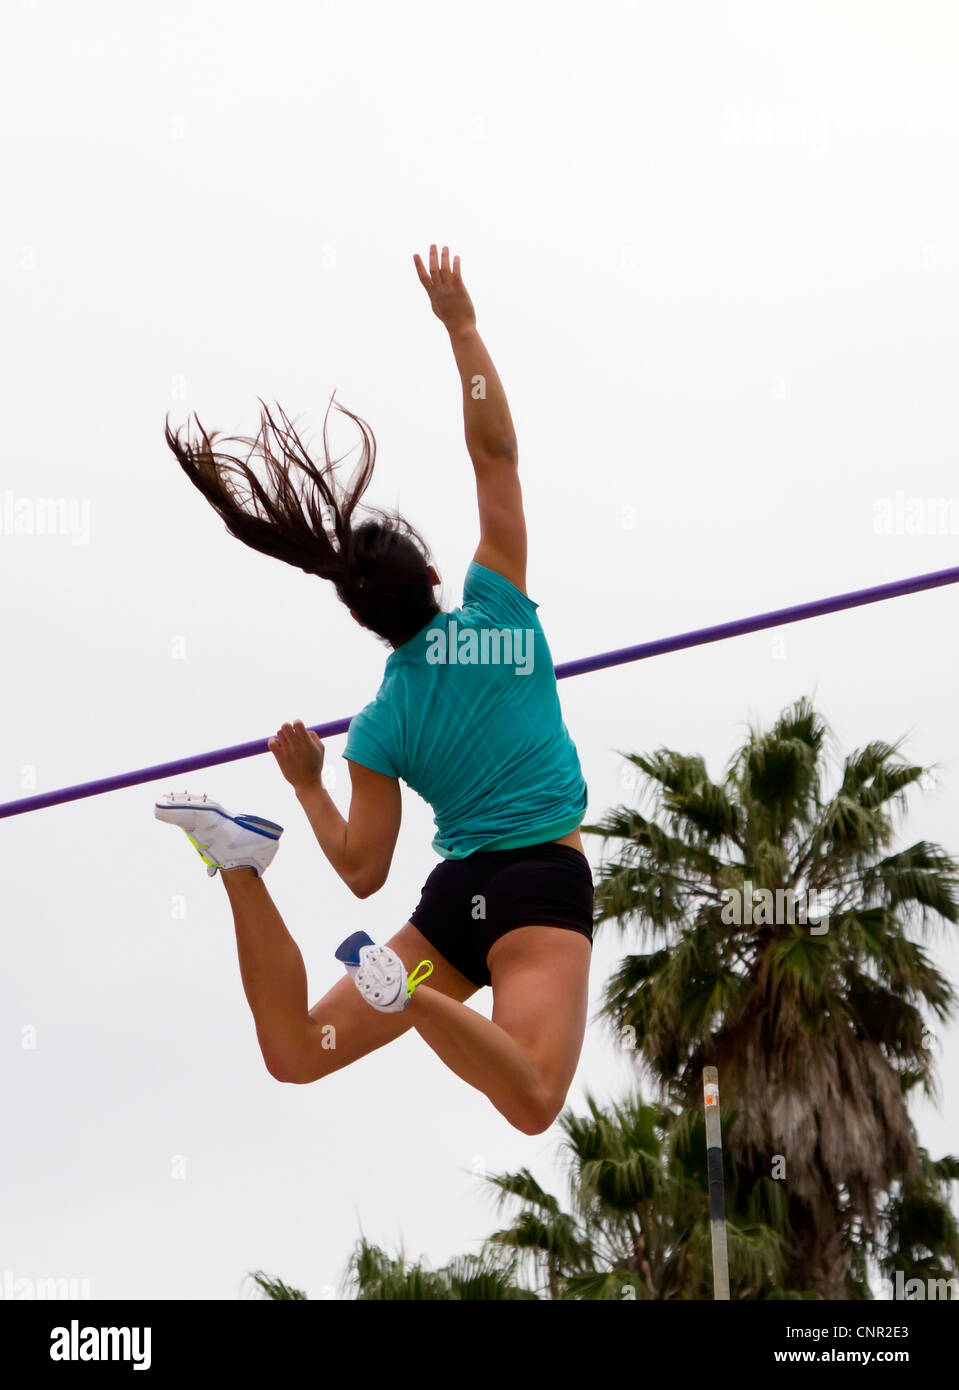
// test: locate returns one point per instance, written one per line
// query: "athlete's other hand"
(444, 285)
(299, 753)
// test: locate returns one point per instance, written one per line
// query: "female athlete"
(468, 715)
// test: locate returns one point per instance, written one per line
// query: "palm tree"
(920, 1235)
(275, 1290)
(372, 1274)
(638, 1224)
(815, 1020)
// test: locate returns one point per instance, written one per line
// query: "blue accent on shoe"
(349, 950)
(259, 825)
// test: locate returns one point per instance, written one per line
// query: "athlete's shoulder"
(371, 737)
(485, 586)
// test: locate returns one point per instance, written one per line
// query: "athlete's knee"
(534, 1119)
(291, 1065)
(536, 1112)
(285, 1069)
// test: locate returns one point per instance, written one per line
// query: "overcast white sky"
(712, 250)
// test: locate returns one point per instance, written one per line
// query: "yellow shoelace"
(416, 978)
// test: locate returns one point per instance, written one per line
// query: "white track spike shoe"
(221, 840)
(379, 974)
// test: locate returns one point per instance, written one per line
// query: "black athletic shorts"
(467, 904)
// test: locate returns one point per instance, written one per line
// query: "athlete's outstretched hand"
(444, 285)
(299, 752)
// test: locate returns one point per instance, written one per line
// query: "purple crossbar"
(778, 618)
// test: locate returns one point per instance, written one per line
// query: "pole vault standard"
(717, 1190)
(779, 617)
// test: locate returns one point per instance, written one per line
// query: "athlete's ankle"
(239, 878)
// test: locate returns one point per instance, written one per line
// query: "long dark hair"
(304, 516)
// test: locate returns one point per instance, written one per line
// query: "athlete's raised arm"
(490, 436)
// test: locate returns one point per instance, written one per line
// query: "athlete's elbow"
(493, 457)
(364, 885)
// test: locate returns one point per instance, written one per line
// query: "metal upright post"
(717, 1191)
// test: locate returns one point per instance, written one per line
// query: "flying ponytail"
(301, 514)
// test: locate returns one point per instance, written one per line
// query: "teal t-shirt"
(468, 715)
